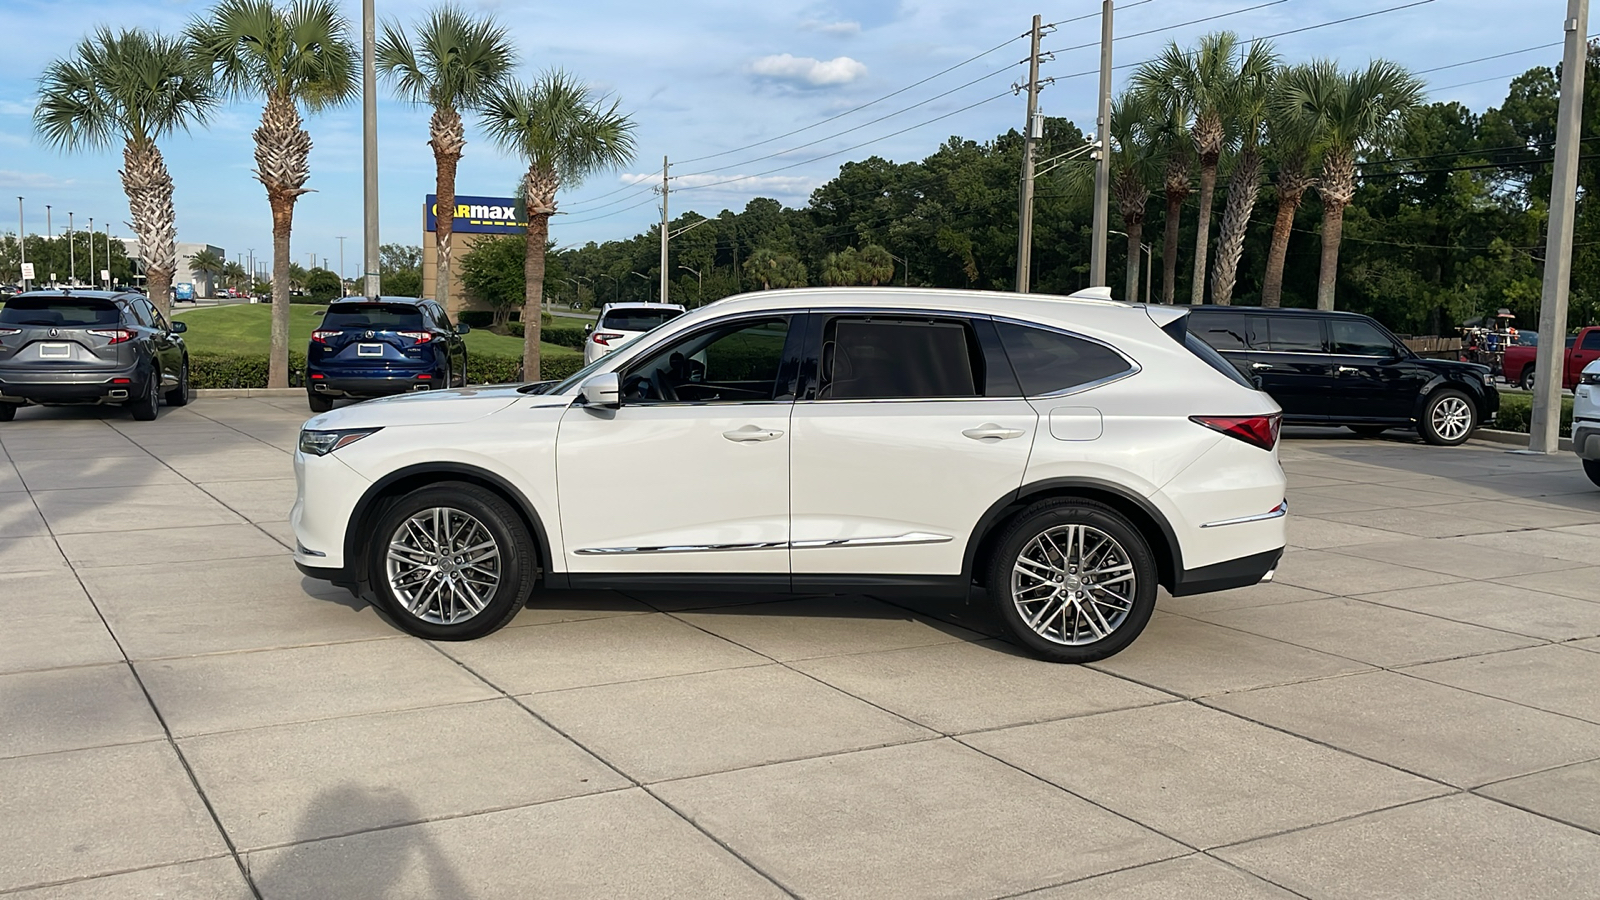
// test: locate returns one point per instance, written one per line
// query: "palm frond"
(303, 51)
(456, 61)
(559, 126)
(133, 84)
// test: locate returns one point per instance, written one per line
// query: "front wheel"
(452, 562)
(1591, 468)
(1527, 379)
(1448, 418)
(1073, 580)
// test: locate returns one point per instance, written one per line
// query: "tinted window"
(637, 319)
(736, 362)
(1294, 334)
(1178, 330)
(140, 311)
(889, 359)
(155, 316)
(1229, 331)
(1048, 361)
(374, 316)
(1358, 337)
(1591, 341)
(60, 311)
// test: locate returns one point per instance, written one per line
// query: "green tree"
(841, 268)
(140, 87)
(1292, 145)
(493, 272)
(234, 275)
(874, 265)
(456, 61)
(775, 270)
(1346, 111)
(565, 133)
(207, 262)
(323, 285)
(292, 55)
(1137, 160)
(400, 270)
(1247, 113)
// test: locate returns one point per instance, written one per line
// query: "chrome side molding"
(915, 537)
(1277, 512)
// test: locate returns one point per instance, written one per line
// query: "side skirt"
(776, 583)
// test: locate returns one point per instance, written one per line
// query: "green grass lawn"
(247, 328)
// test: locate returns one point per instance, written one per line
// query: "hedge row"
(561, 337)
(249, 370)
(483, 318)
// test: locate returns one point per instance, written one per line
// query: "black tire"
(1009, 596)
(318, 403)
(148, 404)
(1442, 418)
(514, 569)
(1591, 468)
(1368, 430)
(184, 392)
(1526, 382)
(8, 411)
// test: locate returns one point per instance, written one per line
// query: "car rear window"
(59, 312)
(637, 319)
(1178, 330)
(373, 316)
(1048, 361)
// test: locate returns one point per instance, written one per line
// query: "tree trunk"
(283, 151)
(1332, 233)
(1202, 235)
(1243, 188)
(540, 193)
(1135, 252)
(1293, 182)
(148, 184)
(447, 142)
(1169, 250)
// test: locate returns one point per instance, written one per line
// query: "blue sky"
(701, 77)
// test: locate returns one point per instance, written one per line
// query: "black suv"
(371, 347)
(95, 347)
(1336, 368)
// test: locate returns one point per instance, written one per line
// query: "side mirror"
(602, 390)
(179, 327)
(462, 328)
(588, 328)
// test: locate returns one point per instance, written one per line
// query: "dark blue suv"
(373, 347)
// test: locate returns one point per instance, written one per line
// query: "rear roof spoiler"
(1165, 315)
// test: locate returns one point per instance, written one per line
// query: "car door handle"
(1347, 370)
(989, 430)
(750, 433)
(1261, 367)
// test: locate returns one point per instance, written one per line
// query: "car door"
(1294, 366)
(691, 472)
(908, 430)
(1585, 351)
(158, 341)
(1376, 378)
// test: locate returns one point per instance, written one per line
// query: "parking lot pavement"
(1407, 711)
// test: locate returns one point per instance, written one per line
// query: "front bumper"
(1586, 438)
(71, 386)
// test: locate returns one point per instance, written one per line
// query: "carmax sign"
(478, 215)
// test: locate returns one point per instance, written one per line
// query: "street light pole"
(905, 271)
(647, 296)
(72, 255)
(341, 264)
(94, 278)
(615, 283)
(700, 289)
(1102, 169)
(369, 150)
(22, 243)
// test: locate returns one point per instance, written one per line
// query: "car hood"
(421, 408)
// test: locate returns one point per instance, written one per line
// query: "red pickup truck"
(1582, 350)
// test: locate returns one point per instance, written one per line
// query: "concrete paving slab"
(10, 481)
(234, 691)
(269, 785)
(266, 500)
(596, 651)
(962, 687)
(157, 545)
(824, 626)
(97, 812)
(910, 821)
(1269, 594)
(1201, 776)
(1460, 738)
(1551, 677)
(73, 709)
(236, 464)
(70, 452)
(1189, 876)
(19, 517)
(1423, 522)
(1373, 496)
(1191, 658)
(1456, 557)
(1313, 533)
(34, 553)
(1335, 573)
(146, 506)
(1488, 516)
(1380, 635)
(1569, 794)
(716, 721)
(551, 607)
(1513, 609)
(621, 844)
(1580, 584)
(118, 472)
(50, 623)
(1453, 848)
(1579, 549)
(213, 879)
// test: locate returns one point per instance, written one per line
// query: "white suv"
(1069, 454)
(1586, 420)
(622, 322)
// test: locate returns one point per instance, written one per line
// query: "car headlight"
(321, 443)
(1488, 378)
(1589, 378)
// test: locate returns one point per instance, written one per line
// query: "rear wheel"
(8, 411)
(1591, 468)
(1073, 580)
(1448, 418)
(318, 403)
(1368, 430)
(184, 392)
(148, 404)
(1527, 379)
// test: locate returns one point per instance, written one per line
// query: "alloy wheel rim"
(1073, 585)
(1451, 418)
(443, 565)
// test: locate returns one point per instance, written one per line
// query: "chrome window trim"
(1277, 512)
(914, 537)
(1133, 365)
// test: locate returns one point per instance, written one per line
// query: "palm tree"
(1349, 112)
(1247, 108)
(1292, 144)
(208, 263)
(140, 87)
(839, 269)
(1200, 82)
(293, 55)
(566, 133)
(233, 273)
(1168, 127)
(456, 62)
(775, 270)
(1136, 162)
(874, 265)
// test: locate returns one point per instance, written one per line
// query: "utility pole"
(1544, 431)
(1030, 134)
(94, 276)
(664, 272)
(369, 150)
(72, 255)
(50, 238)
(22, 242)
(1102, 168)
(108, 256)
(341, 264)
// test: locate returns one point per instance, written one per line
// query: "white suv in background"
(622, 322)
(1586, 420)
(1068, 454)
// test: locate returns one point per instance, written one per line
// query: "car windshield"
(637, 319)
(59, 312)
(373, 316)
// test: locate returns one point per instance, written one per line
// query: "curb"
(249, 392)
(1515, 438)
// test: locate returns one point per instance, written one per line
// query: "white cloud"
(838, 29)
(13, 108)
(11, 178)
(807, 71)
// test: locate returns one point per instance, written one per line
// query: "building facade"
(205, 284)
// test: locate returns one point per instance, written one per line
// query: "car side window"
(1231, 331)
(155, 316)
(735, 362)
(1358, 337)
(1591, 341)
(899, 357)
(1295, 334)
(1048, 361)
(441, 318)
(139, 311)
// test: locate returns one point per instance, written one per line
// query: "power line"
(1176, 25)
(1487, 58)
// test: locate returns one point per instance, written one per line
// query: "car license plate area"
(55, 351)
(369, 349)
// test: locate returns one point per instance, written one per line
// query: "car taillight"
(421, 337)
(321, 335)
(1260, 431)
(7, 332)
(115, 335)
(601, 337)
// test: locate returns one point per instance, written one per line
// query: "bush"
(249, 370)
(477, 318)
(561, 337)
(1516, 413)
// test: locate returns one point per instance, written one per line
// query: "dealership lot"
(1408, 711)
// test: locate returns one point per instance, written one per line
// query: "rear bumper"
(380, 383)
(1225, 576)
(79, 386)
